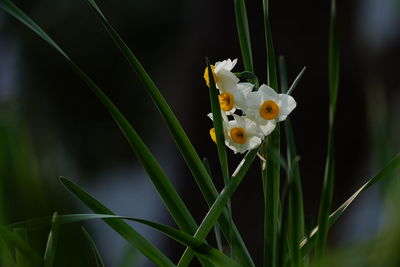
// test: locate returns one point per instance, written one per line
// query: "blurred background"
(52, 125)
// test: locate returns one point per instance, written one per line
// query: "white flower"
(242, 134)
(232, 93)
(235, 97)
(266, 107)
(226, 80)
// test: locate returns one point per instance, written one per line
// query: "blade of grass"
(212, 255)
(219, 204)
(284, 223)
(187, 150)
(271, 168)
(196, 245)
(327, 190)
(170, 197)
(133, 237)
(96, 253)
(244, 34)
(283, 74)
(20, 257)
(296, 208)
(216, 226)
(271, 66)
(295, 196)
(218, 126)
(5, 255)
(296, 81)
(220, 137)
(394, 165)
(13, 240)
(51, 245)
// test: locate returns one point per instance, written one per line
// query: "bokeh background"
(52, 125)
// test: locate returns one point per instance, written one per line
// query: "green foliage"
(286, 242)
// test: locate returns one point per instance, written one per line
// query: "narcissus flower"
(266, 107)
(223, 75)
(242, 134)
(235, 97)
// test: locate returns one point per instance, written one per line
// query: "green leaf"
(21, 259)
(218, 126)
(271, 168)
(221, 201)
(12, 239)
(216, 226)
(133, 237)
(199, 247)
(220, 137)
(170, 197)
(283, 74)
(51, 245)
(5, 254)
(296, 208)
(271, 66)
(296, 81)
(295, 216)
(394, 165)
(187, 150)
(244, 34)
(328, 185)
(96, 253)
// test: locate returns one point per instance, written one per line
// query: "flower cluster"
(260, 109)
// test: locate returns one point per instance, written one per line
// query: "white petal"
(240, 101)
(281, 118)
(252, 114)
(267, 127)
(219, 65)
(254, 142)
(287, 104)
(245, 88)
(226, 80)
(268, 93)
(254, 100)
(233, 63)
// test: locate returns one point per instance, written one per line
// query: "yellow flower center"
(212, 135)
(238, 135)
(226, 101)
(208, 78)
(269, 110)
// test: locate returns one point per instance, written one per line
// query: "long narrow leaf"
(295, 196)
(394, 165)
(96, 253)
(187, 150)
(21, 258)
(14, 240)
(120, 226)
(174, 203)
(244, 34)
(271, 168)
(199, 247)
(216, 226)
(283, 75)
(219, 204)
(51, 245)
(327, 190)
(296, 81)
(218, 126)
(6, 258)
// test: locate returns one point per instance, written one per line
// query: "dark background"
(74, 136)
